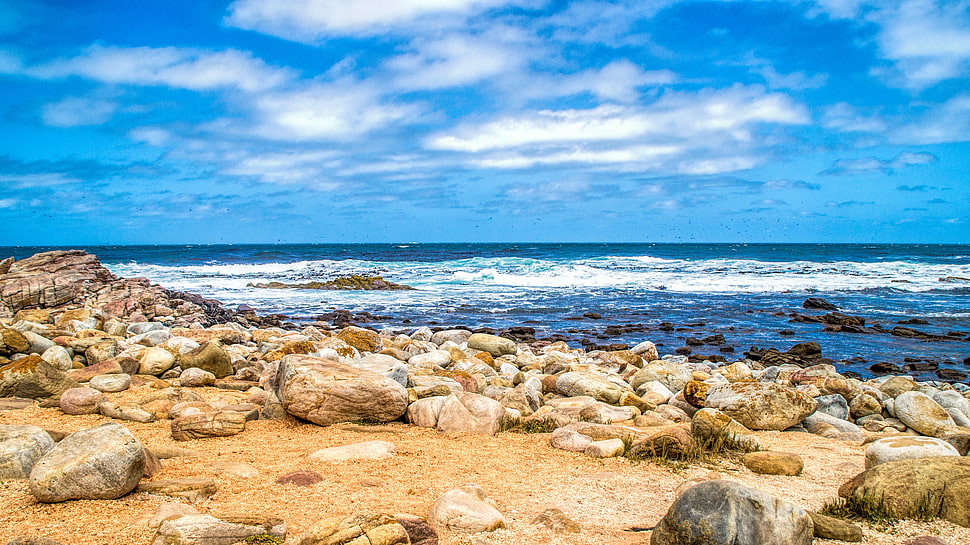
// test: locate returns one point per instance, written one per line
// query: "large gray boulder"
(918, 411)
(326, 392)
(722, 512)
(583, 383)
(760, 405)
(20, 448)
(101, 463)
(671, 374)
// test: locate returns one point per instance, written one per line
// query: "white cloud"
(77, 111)
(25, 181)
(866, 165)
(643, 156)
(845, 118)
(284, 168)
(618, 81)
(929, 40)
(726, 114)
(456, 60)
(948, 122)
(8, 203)
(183, 68)
(717, 165)
(311, 20)
(340, 110)
(153, 136)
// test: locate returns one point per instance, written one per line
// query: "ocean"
(600, 294)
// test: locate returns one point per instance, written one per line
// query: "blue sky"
(170, 121)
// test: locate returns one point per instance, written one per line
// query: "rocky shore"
(118, 395)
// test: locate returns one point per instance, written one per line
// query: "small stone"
(607, 448)
(191, 490)
(770, 462)
(832, 528)
(302, 477)
(557, 521)
(367, 450)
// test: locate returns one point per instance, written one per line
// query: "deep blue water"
(743, 291)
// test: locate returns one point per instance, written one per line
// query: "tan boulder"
(325, 392)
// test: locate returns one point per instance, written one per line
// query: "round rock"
(906, 447)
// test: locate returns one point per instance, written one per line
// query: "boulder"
(367, 450)
(583, 383)
(833, 405)
(918, 411)
(864, 405)
(894, 386)
(33, 378)
(59, 357)
(466, 509)
(470, 413)
(382, 364)
(211, 357)
(906, 447)
(81, 400)
(364, 340)
(110, 366)
(671, 374)
(195, 377)
(13, 342)
(915, 488)
(711, 426)
(325, 392)
(672, 441)
(722, 512)
(101, 463)
(360, 529)
(20, 448)
(829, 426)
(200, 529)
(116, 382)
(771, 462)
(424, 412)
(155, 361)
(602, 413)
(760, 405)
(212, 424)
(493, 344)
(607, 448)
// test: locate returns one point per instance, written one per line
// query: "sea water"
(746, 292)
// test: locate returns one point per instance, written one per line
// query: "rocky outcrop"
(73, 278)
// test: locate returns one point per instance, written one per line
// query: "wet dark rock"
(810, 350)
(913, 321)
(911, 333)
(884, 368)
(593, 316)
(519, 334)
(786, 333)
(951, 375)
(921, 366)
(693, 341)
(684, 351)
(817, 303)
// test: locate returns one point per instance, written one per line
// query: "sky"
(201, 121)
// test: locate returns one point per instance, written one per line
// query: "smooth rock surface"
(760, 406)
(906, 447)
(101, 463)
(466, 509)
(20, 448)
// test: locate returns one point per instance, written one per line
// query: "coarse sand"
(615, 500)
